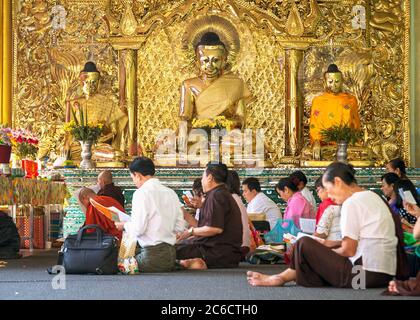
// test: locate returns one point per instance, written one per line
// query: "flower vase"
(86, 154)
(342, 151)
(31, 168)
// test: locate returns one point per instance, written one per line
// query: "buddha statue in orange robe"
(333, 107)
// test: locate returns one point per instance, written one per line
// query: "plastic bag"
(281, 227)
(127, 263)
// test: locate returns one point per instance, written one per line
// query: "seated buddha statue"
(331, 108)
(215, 92)
(110, 146)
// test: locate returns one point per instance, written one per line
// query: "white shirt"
(156, 215)
(329, 224)
(246, 241)
(366, 218)
(263, 204)
(310, 197)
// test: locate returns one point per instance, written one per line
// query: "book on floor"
(112, 213)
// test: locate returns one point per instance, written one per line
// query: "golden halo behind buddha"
(219, 25)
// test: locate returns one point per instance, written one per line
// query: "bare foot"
(257, 279)
(392, 287)
(196, 264)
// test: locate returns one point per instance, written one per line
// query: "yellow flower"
(68, 126)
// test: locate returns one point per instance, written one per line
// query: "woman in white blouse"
(328, 226)
(368, 241)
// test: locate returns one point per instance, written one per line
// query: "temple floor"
(26, 279)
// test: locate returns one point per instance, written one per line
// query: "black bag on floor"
(9, 238)
(95, 253)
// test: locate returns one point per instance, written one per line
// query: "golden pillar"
(6, 62)
(294, 106)
(130, 94)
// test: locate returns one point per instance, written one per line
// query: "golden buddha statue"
(331, 108)
(215, 92)
(110, 147)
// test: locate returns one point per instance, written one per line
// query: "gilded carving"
(374, 61)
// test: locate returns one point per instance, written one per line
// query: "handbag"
(127, 263)
(92, 253)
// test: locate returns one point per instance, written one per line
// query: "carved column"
(6, 62)
(130, 94)
(294, 103)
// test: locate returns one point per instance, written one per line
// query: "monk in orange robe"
(93, 216)
(334, 107)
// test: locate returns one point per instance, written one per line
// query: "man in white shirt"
(258, 202)
(156, 218)
(301, 181)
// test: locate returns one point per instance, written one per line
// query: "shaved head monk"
(94, 216)
(108, 188)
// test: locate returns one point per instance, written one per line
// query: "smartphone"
(407, 196)
(186, 199)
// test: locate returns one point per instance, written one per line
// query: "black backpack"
(9, 238)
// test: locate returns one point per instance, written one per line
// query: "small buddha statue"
(110, 146)
(333, 107)
(215, 92)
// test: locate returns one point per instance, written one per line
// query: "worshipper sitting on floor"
(196, 203)
(9, 238)
(370, 234)
(94, 216)
(413, 258)
(405, 185)
(328, 219)
(415, 211)
(104, 187)
(302, 182)
(216, 242)
(388, 181)
(258, 202)
(329, 213)
(397, 166)
(325, 203)
(233, 184)
(155, 219)
(107, 187)
(297, 205)
(409, 287)
(391, 184)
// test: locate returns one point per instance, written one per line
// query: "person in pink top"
(297, 205)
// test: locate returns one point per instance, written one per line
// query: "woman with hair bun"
(297, 205)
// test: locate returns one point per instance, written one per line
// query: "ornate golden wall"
(375, 61)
